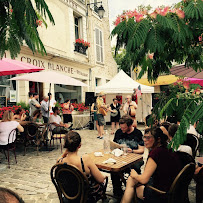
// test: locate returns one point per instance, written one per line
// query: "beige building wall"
(59, 41)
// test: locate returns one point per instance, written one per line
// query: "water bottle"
(106, 143)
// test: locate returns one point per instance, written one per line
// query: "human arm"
(20, 128)
(62, 156)
(95, 172)
(66, 105)
(148, 172)
(140, 150)
(134, 104)
(23, 117)
(92, 108)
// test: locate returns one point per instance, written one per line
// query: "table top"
(121, 164)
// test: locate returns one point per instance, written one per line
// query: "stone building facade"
(73, 19)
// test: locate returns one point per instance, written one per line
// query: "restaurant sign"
(47, 65)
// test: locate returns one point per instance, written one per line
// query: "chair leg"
(4, 153)
(8, 159)
(14, 151)
(61, 144)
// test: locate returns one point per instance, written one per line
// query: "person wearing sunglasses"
(162, 165)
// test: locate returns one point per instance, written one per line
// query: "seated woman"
(6, 126)
(20, 114)
(57, 126)
(84, 164)
(37, 116)
(162, 165)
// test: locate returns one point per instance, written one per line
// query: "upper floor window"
(99, 45)
(78, 26)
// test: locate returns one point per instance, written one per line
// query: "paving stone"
(30, 178)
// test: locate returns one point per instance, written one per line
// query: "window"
(76, 27)
(99, 46)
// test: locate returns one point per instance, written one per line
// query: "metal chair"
(193, 142)
(179, 189)
(10, 146)
(31, 137)
(56, 136)
(70, 183)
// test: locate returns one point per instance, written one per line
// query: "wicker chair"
(32, 137)
(179, 188)
(10, 146)
(70, 183)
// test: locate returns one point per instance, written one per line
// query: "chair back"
(193, 142)
(179, 189)
(32, 130)
(12, 136)
(70, 183)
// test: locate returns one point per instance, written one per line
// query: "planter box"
(80, 48)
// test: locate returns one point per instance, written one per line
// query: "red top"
(168, 167)
(68, 110)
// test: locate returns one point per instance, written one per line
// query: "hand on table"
(130, 150)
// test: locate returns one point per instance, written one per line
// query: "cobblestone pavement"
(30, 177)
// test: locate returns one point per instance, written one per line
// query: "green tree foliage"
(183, 101)
(19, 20)
(123, 61)
(155, 40)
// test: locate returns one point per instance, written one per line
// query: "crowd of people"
(160, 168)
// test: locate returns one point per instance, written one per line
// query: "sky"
(117, 6)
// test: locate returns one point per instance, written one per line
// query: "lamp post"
(100, 10)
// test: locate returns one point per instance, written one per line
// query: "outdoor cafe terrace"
(30, 177)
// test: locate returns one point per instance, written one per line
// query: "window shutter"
(99, 45)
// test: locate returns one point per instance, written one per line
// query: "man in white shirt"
(57, 126)
(129, 108)
(52, 103)
(45, 109)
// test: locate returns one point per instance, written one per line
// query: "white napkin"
(117, 152)
(109, 161)
(98, 154)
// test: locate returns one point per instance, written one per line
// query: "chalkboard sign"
(3, 101)
(11, 103)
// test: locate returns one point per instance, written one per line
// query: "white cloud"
(116, 7)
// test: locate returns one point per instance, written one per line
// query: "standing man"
(52, 103)
(130, 109)
(45, 109)
(132, 137)
(34, 104)
(101, 107)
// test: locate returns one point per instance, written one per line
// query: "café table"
(122, 162)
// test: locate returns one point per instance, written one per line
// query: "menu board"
(3, 101)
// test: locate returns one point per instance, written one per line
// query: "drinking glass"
(124, 149)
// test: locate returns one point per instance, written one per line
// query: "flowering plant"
(79, 107)
(83, 42)
(10, 108)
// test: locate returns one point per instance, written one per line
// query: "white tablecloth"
(80, 120)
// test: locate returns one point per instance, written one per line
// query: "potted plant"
(79, 108)
(81, 46)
